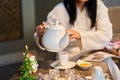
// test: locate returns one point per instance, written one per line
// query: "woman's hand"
(74, 34)
(115, 52)
(116, 49)
(40, 29)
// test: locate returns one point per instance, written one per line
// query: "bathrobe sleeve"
(90, 39)
(58, 13)
(93, 40)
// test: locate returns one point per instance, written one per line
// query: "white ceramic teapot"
(55, 38)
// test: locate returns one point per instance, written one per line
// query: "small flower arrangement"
(29, 66)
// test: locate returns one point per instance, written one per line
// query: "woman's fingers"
(73, 34)
(44, 23)
(40, 29)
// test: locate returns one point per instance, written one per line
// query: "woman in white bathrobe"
(88, 22)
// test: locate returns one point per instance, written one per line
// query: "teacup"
(97, 73)
(63, 58)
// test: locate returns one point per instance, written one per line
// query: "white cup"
(97, 73)
(63, 58)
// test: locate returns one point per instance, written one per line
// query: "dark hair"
(91, 6)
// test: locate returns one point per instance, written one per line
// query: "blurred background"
(18, 19)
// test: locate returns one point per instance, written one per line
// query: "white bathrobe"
(91, 39)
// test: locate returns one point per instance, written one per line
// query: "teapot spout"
(64, 41)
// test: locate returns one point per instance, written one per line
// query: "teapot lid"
(56, 25)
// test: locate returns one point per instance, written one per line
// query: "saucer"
(69, 65)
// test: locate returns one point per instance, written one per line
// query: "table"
(44, 67)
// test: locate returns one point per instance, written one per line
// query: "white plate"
(69, 65)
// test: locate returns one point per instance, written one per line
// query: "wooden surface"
(44, 67)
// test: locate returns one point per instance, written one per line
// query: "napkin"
(115, 72)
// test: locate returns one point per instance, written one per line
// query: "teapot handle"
(36, 38)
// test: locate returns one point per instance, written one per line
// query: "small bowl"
(83, 64)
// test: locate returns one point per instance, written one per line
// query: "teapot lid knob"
(57, 22)
(56, 25)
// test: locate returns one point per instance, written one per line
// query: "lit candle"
(56, 78)
(61, 79)
(69, 78)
